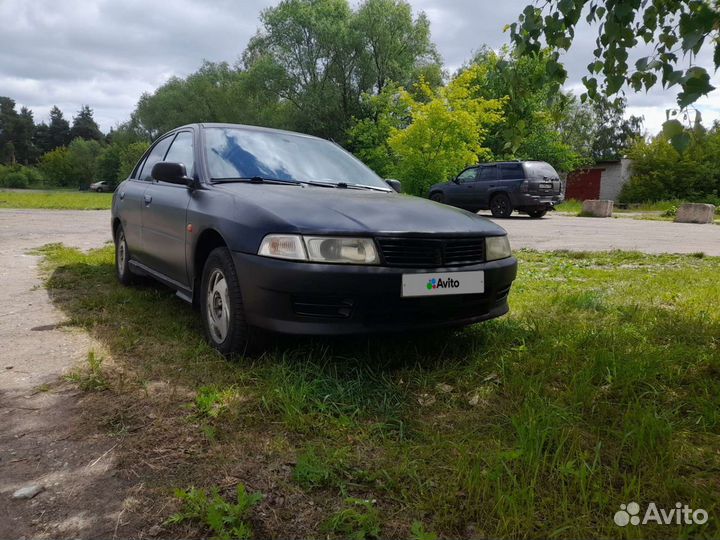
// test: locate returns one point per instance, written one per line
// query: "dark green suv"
(532, 187)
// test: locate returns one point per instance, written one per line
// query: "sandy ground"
(41, 440)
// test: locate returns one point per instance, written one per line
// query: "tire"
(222, 309)
(99, 190)
(437, 197)
(122, 259)
(537, 214)
(500, 206)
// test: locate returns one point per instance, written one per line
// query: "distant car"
(103, 186)
(532, 187)
(286, 232)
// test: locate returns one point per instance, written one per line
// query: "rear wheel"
(537, 214)
(437, 197)
(500, 206)
(221, 304)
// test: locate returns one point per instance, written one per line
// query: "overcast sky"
(106, 53)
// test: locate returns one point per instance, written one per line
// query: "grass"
(601, 387)
(56, 200)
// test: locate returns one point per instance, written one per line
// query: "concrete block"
(597, 208)
(695, 213)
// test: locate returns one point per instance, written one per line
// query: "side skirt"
(180, 290)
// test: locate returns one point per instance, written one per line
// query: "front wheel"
(537, 214)
(500, 206)
(437, 197)
(122, 259)
(221, 304)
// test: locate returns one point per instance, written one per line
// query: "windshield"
(540, 169)
(247, 153)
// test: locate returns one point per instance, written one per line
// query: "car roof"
(245, 127)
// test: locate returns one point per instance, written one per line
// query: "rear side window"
(540, 169)
(488, 172)
(511, 171)
(181, 151)
(156, 155)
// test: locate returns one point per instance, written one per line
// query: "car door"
(129, 200)
(461, 189)
(485, 185)
(165, 214)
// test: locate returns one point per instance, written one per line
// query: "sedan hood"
(318, 210)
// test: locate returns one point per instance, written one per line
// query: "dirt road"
(42, 441)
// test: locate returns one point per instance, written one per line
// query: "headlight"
(341, 250)
(497, 247)
(283, 246)
(327, 249)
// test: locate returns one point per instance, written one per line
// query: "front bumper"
(332, 299)
(527, 200)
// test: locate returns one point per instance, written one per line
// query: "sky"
(106, 53)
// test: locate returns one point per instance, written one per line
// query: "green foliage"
(306, 69)
(82, 156)
(56, 200)
(56, 166)
(671, 26)
(228, 521)
(418, 532)
(91, 377)
(445, 135)
(129, 156)
(359, 520)
(677, 29)
(660, 172)
(19, 176)
(368, 137)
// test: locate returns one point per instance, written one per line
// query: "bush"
(15, 179)
(19, 176)
(659, 172)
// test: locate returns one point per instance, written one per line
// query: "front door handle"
(148, 199)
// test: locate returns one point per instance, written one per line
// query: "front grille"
(431, 252)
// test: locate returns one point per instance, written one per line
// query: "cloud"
(106, 53)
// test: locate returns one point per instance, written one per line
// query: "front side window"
(156, 155)
(236, 153)
(181, 151)
(468, 175)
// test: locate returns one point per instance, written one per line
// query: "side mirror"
(172, 173)
(455, 180)
(395, 184)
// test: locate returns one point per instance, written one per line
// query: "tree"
(677, 29)
(25, 147)
(58, 130)
(614, 133)
(84, 125)
(56, 167)
(396, 44)
(446, 132)
(8, 126)
(537, 120)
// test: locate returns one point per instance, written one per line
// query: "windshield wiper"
(255, 180)
(343, 185)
